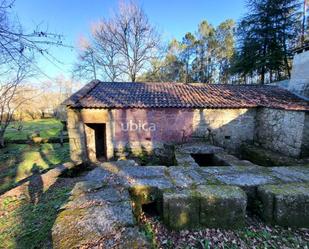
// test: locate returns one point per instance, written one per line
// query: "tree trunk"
(1, 140)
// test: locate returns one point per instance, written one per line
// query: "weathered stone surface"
(179, 177)
(198, 148)
(184, 177)
(142, 172)
(180, 210)
(267, 157)
(115, 166)
(126, 238)
(109, 173)
(246, 179)
(248, 182)
(286, 204)
(100, 197)
(75, 227)
(105, 177)
(185, 160)
(230, 160)
(84, 187)
(222, 206)
(208, 206)
(280, 130)
(291, 174)
(160, 183)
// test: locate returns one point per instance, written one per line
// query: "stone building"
(107, 120)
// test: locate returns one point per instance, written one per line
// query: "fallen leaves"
(255, 235)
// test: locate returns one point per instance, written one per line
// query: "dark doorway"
(206, 160)
(99, 140)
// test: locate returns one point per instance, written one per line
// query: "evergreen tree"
(266, 36)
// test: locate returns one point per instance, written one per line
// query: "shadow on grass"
(26, 222)
(17, 161)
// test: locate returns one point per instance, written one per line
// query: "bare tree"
(86, 67)
(135, 38)
(11, 97)
(106, 51)
(121, 45)
(17, 53)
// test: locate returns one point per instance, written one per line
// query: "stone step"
(217, 206)
(285, 204)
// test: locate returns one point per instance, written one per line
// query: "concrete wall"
(280, 130)
(299, 82)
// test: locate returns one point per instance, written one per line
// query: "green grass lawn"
(24, 224)
(28, 225)
(18, 161)
(46, 127)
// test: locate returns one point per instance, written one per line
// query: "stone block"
(248, 181)
(181, 210)
(144, 194)
(76, 227)
(184, 177)
(222, 206)
(291, 174)
(143, 172)
(285, 204)
(96, 198)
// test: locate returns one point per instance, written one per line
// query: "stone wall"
(228, 128)
(140, 131)
(81, 137)
(280, 130)
(305, 141)
(299, 82)
(156, 131)
(76, 136)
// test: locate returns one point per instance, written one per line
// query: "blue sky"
(72, 18)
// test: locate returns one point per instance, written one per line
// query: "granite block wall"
(280, 130)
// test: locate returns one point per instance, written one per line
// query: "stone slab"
(98, 198)
(180, 210)
(75, 227)
(291, 174)
(222, 206)
(143, 171)
(285, 204)
(184, 177)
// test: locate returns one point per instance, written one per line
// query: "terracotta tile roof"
(98, 94)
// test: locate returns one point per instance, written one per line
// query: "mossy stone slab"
(75, 227)
(285, 204)
(222, 206)
(180, 210)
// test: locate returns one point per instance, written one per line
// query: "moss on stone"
(265, 157)
(285, 204)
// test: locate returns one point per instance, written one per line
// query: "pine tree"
(266, 36)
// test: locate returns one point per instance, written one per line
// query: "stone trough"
(206, 206)
(108, 202)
